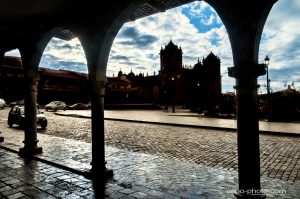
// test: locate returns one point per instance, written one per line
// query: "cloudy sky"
(197, 28)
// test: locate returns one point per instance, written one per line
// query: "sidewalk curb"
(185, 125)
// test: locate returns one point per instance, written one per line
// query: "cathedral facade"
(198, 87)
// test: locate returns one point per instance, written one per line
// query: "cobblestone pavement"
(186, 118)
(201, 174)
(280, 155)
(136, 175)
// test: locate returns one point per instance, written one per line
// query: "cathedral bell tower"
(171, 74)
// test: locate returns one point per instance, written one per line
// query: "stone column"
(97, 39)
(97, 79)
(244, 21)
(96, 45)
(31, 52)
(30, 126)
(98, 136)
(2, 53)
(248, 128)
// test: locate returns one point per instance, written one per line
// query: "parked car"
(16, 115)
(56, 105)
(2, 103)
(78, 106)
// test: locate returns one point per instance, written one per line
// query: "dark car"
(78, 106)
(16, 115)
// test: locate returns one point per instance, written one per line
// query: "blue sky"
(197, 28)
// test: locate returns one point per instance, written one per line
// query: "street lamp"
(267, 62)
(173, 94)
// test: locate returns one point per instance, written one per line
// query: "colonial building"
(63, 85)
(119, 89)
(198, 87)
(68, 86)
(11, 78)
(148, 87)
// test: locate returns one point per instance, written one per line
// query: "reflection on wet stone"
(136, 174)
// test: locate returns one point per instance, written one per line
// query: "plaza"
(149, 159)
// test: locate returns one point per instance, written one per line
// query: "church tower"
(172, 84)
(212, 65)
(171, 58)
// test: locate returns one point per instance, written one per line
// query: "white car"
(55, 106)
(2, 103)
(16, 115)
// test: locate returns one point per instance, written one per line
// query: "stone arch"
(244, 22)
(31, 49)
(253, 16)
(97, 42)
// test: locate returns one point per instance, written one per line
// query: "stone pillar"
(244, 21)
(248, 128)
(98, 136)
(97, 79)
(31, 52)
(96, 41)
(30, 126)
(2, 53)
(96, 45)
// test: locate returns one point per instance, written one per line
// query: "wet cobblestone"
(280, 155)
(137, 175)
(202, 146)
(167, 170)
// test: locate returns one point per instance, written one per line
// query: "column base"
(249, 196)
(99, 176)
(27, 152)
(1, 139)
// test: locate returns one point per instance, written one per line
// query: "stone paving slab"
(186, 118)
(136, 175)
(280, 155)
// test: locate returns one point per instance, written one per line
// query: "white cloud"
(281, 42)
(15, 53)
(60, 54)
(196, 8)
(208, 21)
(139, 49)
(173, 24)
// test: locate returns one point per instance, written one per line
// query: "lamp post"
(267, 62)
(173, 94)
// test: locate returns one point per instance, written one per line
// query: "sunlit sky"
(198, 30)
